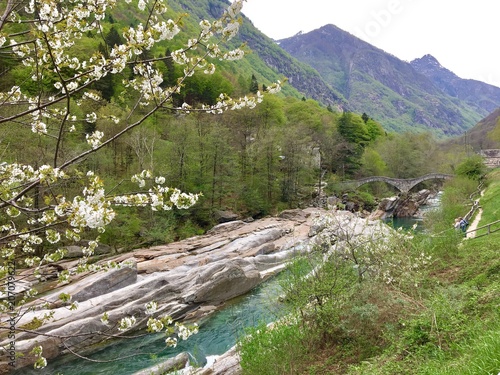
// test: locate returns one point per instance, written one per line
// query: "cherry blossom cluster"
(45, 48)
(36, 212)
(90, 210)
(154, 325)
(380, 254)
(158, 197)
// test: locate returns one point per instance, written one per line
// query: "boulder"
(333, 202)
(405, 205)
(422, 196)
(226, 364)
(225, 216)
(295, 214)
(406, 208)
(178, 362)
(223, 281)
(75, 251)
(377, 215)
(388, 204)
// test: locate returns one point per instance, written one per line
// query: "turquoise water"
(217, 334)
(408, 222)
(405, 222)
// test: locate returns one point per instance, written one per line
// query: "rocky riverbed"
(188, 279)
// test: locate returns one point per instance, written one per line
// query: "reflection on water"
(218, 333)
(405, 223)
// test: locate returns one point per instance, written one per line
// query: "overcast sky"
(463, 35)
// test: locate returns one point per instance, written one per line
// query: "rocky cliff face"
(386, 88)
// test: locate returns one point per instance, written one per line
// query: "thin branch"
(64, 337)
(109, 360)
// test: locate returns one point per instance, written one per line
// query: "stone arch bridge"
(403, 185)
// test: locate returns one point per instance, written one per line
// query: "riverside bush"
(274, 349)
(456, 329)
(347, 299)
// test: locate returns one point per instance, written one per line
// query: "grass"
(448, 324)
(490, 199)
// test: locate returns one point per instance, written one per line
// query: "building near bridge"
(491, 157)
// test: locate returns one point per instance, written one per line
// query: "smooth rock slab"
(223, 281)
(101, 283)
(178, 362)
(199, 272)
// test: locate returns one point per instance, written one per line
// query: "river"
(217, 334)
(408, 222)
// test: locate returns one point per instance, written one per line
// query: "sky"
(463, 35)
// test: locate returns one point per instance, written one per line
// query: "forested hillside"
(484, 135)
(252, 162)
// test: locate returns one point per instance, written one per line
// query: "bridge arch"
(403, 185)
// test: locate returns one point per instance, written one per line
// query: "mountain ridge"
(378, 83)
(474, 92)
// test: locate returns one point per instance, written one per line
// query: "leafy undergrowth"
(447, 323)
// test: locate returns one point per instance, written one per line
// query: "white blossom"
(91, 117)
(151, 307)
(236, 54)
(126, 323)
(52, 236)
(171, 342)
(155, 325)
(160, 180)
(94, 139)
(274, 88)
(105, 318)
(39, 127)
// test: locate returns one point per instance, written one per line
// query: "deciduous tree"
(52, 100)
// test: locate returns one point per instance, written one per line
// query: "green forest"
(252, 162)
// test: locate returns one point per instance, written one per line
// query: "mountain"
(266, 59)
(476, 93)
(299, 74)
(477, 137)
(379, 84)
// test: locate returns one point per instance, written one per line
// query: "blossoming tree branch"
(39, 219)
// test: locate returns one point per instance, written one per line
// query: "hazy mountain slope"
(266, 59)
(381, 85)
(300, 75)
(478, 94)
(477, 137)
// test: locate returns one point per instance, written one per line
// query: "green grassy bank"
(437, 316)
